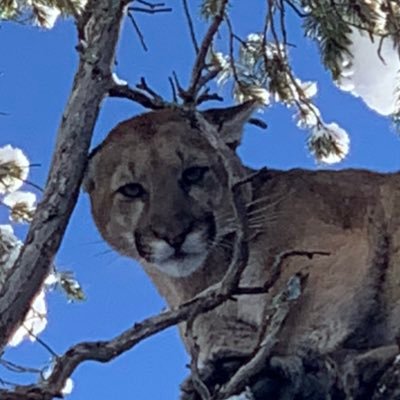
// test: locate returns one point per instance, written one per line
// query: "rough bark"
(99, 31)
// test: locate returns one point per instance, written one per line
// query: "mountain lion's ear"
(230, 121)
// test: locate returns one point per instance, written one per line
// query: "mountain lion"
(161, 194)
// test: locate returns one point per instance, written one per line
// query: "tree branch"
(272, 325)
(100, 34)
(137, 29)
(190, 25)
(126, 92)
(104, 351)
(200, 61)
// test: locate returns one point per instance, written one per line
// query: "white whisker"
(263, 219)
(272, 200)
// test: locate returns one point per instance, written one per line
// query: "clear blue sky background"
(37, 70)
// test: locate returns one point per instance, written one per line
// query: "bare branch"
(125, 91)
(150, 11)
(272, 325)
(276, 269)
(206, 96)
(232, 53)
(173, 90)
(149, 4)
(150, 8)
(200, 61)
(296, 9)
(190, 24)
(46, 346)
(181, 91)
(13, 367)
(69, 160)
(104, 351)
(137, 29)
(208, 77)
(142, 85)
(258, 122)
(272, 322)
(277, 265)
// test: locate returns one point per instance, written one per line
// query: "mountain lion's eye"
(194, 175)
(131, 190)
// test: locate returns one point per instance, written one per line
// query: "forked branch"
(145, 97)
(149, 8)
(198, 80)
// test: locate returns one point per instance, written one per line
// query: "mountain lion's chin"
(182, 265)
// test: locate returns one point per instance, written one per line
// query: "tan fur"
(352, 297)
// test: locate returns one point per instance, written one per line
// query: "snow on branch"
(353, 35)
(41, 13)
(14, 169)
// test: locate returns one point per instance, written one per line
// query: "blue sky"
(37, 71)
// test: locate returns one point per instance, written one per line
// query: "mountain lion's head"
(159, 189)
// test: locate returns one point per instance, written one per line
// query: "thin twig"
(200, 61)
(239, 39)
(258, 122)
(281, 257)
(206, 96)
(34, 185)
(282, 22)
(149, 11)
(177, 84)
(18, 368)
(42, 343)
(232, 53)
(137, 29)
(150, 5)
(208, 76)
(190, 25)
(296, 10)
(276, 270)
(142, 85)
(4, 382)
(173, 89)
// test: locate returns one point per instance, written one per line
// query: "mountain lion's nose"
(174, 240)
(177, 241)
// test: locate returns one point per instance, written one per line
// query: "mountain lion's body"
(161, 194)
